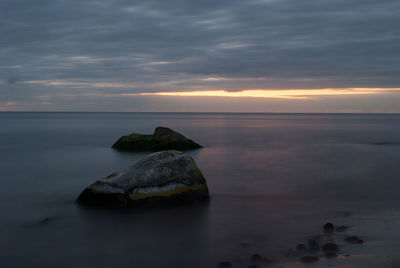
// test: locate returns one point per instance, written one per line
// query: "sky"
(200, 56)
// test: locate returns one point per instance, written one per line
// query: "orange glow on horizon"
(273, 93)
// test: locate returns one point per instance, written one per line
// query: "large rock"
(162, 139)
(161, 177)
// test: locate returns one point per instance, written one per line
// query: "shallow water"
(274, 180)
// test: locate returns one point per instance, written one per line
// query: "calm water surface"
(274, 180)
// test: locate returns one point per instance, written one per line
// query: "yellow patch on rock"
(167, 193)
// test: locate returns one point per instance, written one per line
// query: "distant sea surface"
(274, 180)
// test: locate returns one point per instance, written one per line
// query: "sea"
(274, 181)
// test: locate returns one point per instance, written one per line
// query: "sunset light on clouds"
(271, 93)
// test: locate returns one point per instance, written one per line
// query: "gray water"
(274, 180)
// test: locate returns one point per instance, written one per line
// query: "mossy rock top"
(162, 139)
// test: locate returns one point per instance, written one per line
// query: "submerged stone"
(162, 139)
(309, 259)
(256, 257)
(330, 255)
(225, 264)
(301, 247)
(313, 244)
(47, 220)
(328, 227)
(161, 177)
(245, 244)
(342, 228)
(330, 247)
(353, 240)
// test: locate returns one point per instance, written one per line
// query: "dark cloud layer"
(63, 47)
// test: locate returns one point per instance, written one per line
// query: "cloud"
(121, 47)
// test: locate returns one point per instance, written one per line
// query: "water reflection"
(274, 180)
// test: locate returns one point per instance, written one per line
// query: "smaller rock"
(301, 247)
(330, 247)
(330, 255)
(313, 244)
(163, 138)
(342, 228)
(309, 259)
(328, 227)
(225, 264)
(353, 240)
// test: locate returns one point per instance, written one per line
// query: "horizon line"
(176, 112)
